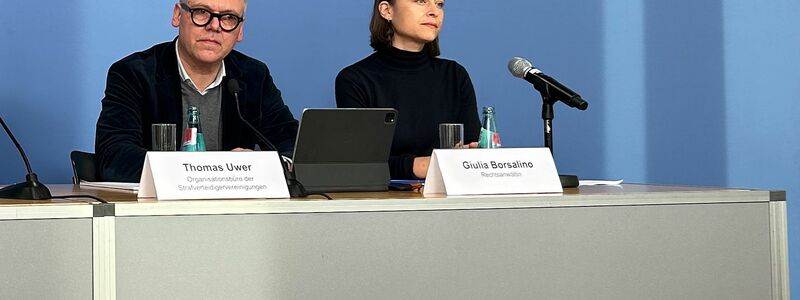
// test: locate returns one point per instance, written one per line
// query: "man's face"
(207, 44)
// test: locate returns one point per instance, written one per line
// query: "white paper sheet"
(600, 182)
(127, 186)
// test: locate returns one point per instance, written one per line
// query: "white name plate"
(212, 175)
(492, 171)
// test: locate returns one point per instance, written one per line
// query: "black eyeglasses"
(201, 17)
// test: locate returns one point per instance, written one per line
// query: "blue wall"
(680, 92)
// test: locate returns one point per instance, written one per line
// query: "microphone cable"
(101, 200)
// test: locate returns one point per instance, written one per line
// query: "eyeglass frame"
(212, 15)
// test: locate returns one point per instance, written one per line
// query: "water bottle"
(192, 132)
(489, 138)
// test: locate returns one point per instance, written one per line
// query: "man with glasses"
(157, 85)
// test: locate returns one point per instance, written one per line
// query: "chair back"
(83, 167)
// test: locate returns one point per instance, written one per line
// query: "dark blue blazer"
(144, 88)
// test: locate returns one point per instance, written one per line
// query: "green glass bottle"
(489, 138)
(193, 132)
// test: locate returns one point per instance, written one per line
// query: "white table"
(624, 242)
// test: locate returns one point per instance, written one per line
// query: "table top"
(127, 204)
(121, 196)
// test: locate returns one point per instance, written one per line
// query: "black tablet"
(344, 149)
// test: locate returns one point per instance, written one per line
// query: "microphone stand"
(548, 113)
(31, 189)
(296, 189)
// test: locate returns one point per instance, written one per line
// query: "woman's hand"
(421, 166)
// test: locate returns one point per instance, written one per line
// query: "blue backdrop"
(681, 92)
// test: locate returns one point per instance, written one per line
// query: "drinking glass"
(451, 136)
(164, 137)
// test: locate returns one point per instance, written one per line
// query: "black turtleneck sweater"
(426, 91)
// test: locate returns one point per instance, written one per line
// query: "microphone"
(234, 89)
(31, 189)
(522, 68)
(296, 189)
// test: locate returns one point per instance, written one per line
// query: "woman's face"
(415, 22)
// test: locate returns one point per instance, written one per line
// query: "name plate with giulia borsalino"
(212, 175)
(492, 171)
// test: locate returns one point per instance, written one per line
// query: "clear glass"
(164, 137)
(451, 136)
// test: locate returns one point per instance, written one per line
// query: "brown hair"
(382, 32)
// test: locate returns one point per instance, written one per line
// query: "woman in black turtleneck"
(404, 73)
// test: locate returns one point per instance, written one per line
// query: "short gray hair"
(245, 4)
